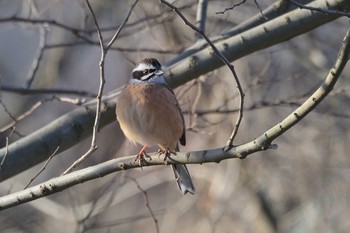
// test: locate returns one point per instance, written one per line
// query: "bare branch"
(146, 203)
(201, 17)
(42, 169)
(6, 148)
(95, 128)
(104, 50)
(114, 38)
(297, 115)
(65, 181)
(319, 9)
(274, 31)
(232, 7)
(227, 63)
(81, 32)
(26, 91)
(116, 48)
(36, 106)
(36, 62)
(6, 110)
(76, 31)
(260, 10)
(64, 132)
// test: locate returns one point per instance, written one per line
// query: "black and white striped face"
(148, 69)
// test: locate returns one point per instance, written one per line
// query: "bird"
(149, 114)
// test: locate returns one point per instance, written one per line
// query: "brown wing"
(183, 136)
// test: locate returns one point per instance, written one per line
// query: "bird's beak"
(159, 72)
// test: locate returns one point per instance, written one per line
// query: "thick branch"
(201, 17)
(63, 182)
(265, 35)
(64, 132)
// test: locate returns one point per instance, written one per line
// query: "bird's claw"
(140, 158)
(164, 153)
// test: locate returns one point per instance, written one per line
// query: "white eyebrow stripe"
(143, 66)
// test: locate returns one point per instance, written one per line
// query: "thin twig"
(227, 63)
(231, 8)
(240, 3)
(192, 111)
(104, 50)
(76, 31)
(80, 32)
(262, 105)
(6, 109)
(36, 62)
(260, 10)
(318, 9)
(310, 104)
(93, 145)
(22, 116)
(146, 202)
(121, 26)
(117, 48)
(43, 168)
(102, 192)
(36, 106)
(7, 148)
(26, 91)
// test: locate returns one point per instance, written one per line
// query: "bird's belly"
(151, 119)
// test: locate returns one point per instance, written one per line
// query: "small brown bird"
(149, 114)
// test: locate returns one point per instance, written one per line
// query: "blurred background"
(303, 186)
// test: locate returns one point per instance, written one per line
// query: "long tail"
(183, 178)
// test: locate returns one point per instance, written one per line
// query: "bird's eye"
(146, 71)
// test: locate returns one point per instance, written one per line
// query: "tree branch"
(104, 51)
(36, 62)
(227, 63)
(64, 132)
(264, 35)
(201, 17)
(46, 91)
(273, 11)
(324, 11)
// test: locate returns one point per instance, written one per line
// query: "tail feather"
(183, 178)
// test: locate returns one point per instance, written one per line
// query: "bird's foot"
(165, 153)
(140, 156)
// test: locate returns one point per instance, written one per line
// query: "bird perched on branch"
(149, 114)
